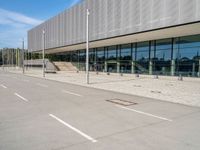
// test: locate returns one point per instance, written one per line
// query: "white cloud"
(7, 17)
(13, 27)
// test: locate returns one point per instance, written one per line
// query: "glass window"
(142, 58)
(74, 55)
(162, 57)
(125, 52)
(125, 58)
(100, 59)
(112, 53)
(92, 55)
(82, 56)
(142, 52)
(187, 55)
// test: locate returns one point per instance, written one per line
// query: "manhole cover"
(121, 102)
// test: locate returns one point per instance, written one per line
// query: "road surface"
(39, 114)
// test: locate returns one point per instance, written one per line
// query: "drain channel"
(121, 102)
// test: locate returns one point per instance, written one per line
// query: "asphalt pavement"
(39, 114)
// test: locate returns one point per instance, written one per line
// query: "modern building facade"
(130, 36)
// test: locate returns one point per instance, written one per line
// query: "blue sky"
(18, 16)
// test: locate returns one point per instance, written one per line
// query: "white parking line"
(42, 85)
(25, 80)
(144, 113)
(3, 86)
(68, 92)
(24, 99)
(73, 128)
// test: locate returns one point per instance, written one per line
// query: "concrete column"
(105, 67)
(150, 67)
(193, 69)
(173, 67)
(133, 67)
(118, 67)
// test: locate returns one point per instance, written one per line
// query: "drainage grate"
(121, 102)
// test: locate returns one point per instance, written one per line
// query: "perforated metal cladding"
(109, 18)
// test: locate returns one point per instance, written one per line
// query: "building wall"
(172, 56)
(110, 18)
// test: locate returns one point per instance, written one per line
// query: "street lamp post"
(87, 46)
(2, 58)
(43, 53)
(31, 59)
(23, 55)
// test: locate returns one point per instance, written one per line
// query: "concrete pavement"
(165, 88)
(38, 114)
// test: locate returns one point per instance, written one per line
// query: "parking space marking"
(73, 128)
(42, 85)
(144, 113)
(68, 92)
(25, 80)
(24, 99)
(3, 86)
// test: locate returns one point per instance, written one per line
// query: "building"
(130, 36)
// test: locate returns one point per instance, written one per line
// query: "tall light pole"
(31, 59)
(2, 58)
(43, 53)
(23, 55)
(87, 46)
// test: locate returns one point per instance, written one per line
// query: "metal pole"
(43, 66)
(27, 61)
(23, 55)
(31, 59)
(87, 46)
(2, 59)
(12, 58)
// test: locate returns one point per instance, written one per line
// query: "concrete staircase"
(64, 66)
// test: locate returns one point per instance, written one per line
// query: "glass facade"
(142, 58)
(174, 56)
(125, 58)
(161, 57)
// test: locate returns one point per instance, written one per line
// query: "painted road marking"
(24, 99)
(73, 128)
(25, 80)
(3, 86)
(42, 85)
(144, 113)
(68, 92)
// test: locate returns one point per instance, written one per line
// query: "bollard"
(180, 78)
(108, 73)
(156, 76)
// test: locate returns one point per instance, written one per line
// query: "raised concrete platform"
(165, 88)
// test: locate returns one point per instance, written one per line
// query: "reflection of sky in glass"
(143, 51)
(126, 52)
(112, 53)
(189, 47)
